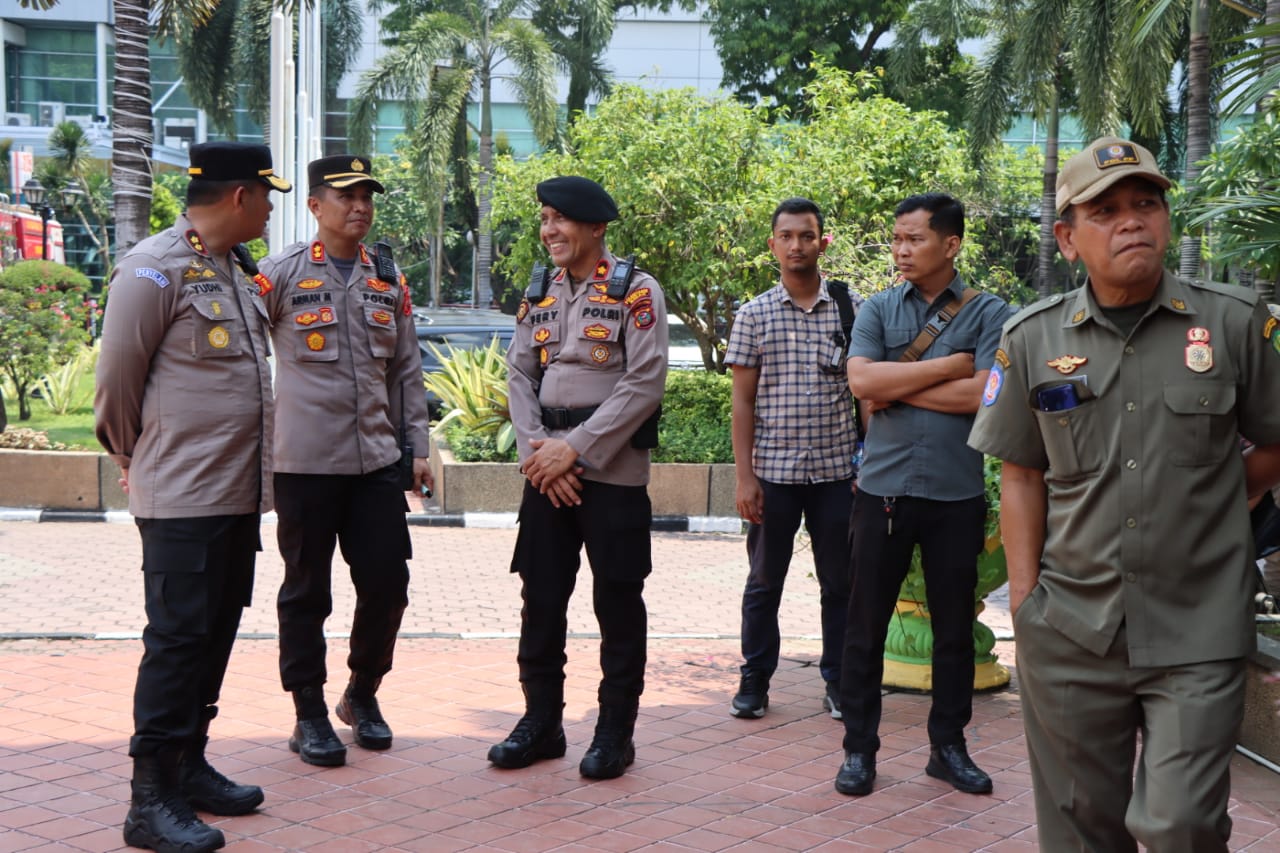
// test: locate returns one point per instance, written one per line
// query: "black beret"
(341, 171)
(580, 199)
(234, 161)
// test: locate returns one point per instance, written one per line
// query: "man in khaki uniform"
(587, 370)
(349, 378)
(183, 405)
(1117, 410)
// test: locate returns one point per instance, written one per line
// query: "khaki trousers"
(1083, 715)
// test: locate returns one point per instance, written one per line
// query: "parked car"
(460, 328)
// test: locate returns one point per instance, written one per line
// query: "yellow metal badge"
(219, 337)
(1178, 304)
(216, 307)
(1078, 317)
(1269, 327)
(1001, 358)
(1066, 364)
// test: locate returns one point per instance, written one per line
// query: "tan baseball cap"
(1103, 162)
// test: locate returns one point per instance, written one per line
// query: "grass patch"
(74, 429)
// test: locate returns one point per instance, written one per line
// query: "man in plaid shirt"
(793, 445)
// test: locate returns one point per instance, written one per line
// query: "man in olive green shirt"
(1117, 409)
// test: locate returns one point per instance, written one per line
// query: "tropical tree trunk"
(131, 124)
(1197, 124)
(1048, 243)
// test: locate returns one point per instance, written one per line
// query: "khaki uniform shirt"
(1147, 521)
(183, 396)
(577, 348)
(346, 356)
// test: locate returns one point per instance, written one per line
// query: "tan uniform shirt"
(1147, 520)
(346, 356)
(577, 348)
(183, 394)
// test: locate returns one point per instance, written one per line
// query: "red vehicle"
(21, 238)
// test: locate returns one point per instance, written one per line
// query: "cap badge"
(1116, 154)
(357, 166)
(1066, 364)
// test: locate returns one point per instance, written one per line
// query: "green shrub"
(476, 447)
(472, 387)
(695, 418)
(42, 323)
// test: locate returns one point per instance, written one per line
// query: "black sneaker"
(831, 701)
(752, 698)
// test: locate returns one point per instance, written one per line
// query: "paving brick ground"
(703, 781)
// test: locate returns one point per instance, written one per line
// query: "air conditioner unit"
(179, 133)
(17, 120)
(52, 113)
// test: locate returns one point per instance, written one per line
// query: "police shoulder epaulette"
(1037, 307)
(1247, 295)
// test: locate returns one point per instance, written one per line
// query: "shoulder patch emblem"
(406, 300)
(310, 283)
(1001, 358)
(364, 255)
(995, 381)
(315, 342)
(636, 295)
(158, 277)
(523, 310)
(264, 284)
(1269, 327)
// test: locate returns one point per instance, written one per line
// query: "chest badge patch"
(596, 332)
(306, 319)
(326, 314)
(158, 277)
(542, 334)
(310, 283)
(216, 307)
(547, 302)
(523, 311)
(543, 356)
(219, 337)
(377, 284)
(381, 317)
(599, 353)
(1067, 364)
(1199, 355)
(315, 342)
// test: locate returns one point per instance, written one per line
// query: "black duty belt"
(566, 418)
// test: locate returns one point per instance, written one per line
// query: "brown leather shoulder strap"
(934, 326)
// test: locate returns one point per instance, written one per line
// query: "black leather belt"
(566, 418)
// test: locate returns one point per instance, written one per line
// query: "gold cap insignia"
(357, 166)
(1065, 364)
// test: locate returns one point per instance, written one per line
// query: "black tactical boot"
(359, 709)
(313, 736)
(612, 749)
(159, 817)
(207, 789)
(540, 732)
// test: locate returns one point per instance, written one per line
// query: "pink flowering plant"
(42, 323)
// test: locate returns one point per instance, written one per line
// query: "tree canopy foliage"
(42, 322)
(697, 179)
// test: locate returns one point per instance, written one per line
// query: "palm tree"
(71, 168)
(437, 65)
(579, 32)
(241, 30)
(131, 120)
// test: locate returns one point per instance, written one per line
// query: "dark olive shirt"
(1147, 523)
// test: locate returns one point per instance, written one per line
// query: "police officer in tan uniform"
(587, 369)
(1117, 409)
(349, 378)
(183, 405)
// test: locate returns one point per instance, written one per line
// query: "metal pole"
(45, 212)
